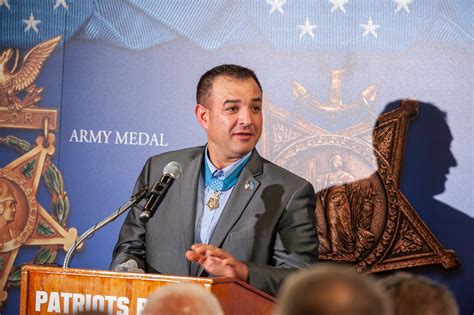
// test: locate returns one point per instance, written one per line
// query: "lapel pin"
(249, 185)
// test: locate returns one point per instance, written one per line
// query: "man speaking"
(231, 213)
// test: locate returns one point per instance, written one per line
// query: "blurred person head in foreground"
(418, 295)
(329, 289)
(182, 299)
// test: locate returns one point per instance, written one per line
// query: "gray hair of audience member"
(328, 289)
(418, 295)
(182, 299)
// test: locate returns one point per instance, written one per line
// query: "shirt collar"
(226, 171)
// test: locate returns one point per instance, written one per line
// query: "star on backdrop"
(402, 4)
(338, 4)
(60, 3)
(31, 23)
(276, 5)
(307, 28)
(5, 3)
(370, 28)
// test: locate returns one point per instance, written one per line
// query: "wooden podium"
(51, 290)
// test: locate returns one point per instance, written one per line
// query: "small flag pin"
(249, 185)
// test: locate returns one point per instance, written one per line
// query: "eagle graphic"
(13, 81)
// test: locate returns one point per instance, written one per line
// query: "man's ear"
(202, 115)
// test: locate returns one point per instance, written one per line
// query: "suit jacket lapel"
(238, 199)
(188, 198)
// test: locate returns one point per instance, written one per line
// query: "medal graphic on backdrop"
(23, 220)
(355, 166)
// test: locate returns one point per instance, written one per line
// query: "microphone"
(171, 171)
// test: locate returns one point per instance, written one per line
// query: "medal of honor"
(213, 202)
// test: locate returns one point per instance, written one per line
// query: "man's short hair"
(181, 299)
(418, 295)
(236, 72)
(328, 289)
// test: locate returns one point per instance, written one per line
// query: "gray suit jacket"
(270, 227)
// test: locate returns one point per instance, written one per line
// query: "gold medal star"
(22, 218)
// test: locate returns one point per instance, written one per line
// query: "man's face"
(9, 210)
(232, 118)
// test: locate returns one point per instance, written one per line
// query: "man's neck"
(219, 161)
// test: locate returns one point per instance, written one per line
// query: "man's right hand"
(217, 262)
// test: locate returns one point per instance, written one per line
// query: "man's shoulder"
(181, 155)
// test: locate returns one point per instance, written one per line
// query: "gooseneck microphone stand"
(132, 202)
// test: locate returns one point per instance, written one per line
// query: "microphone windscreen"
(173, 169)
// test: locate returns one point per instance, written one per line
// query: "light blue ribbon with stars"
(217, 184)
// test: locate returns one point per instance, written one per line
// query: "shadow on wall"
(428, 160)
